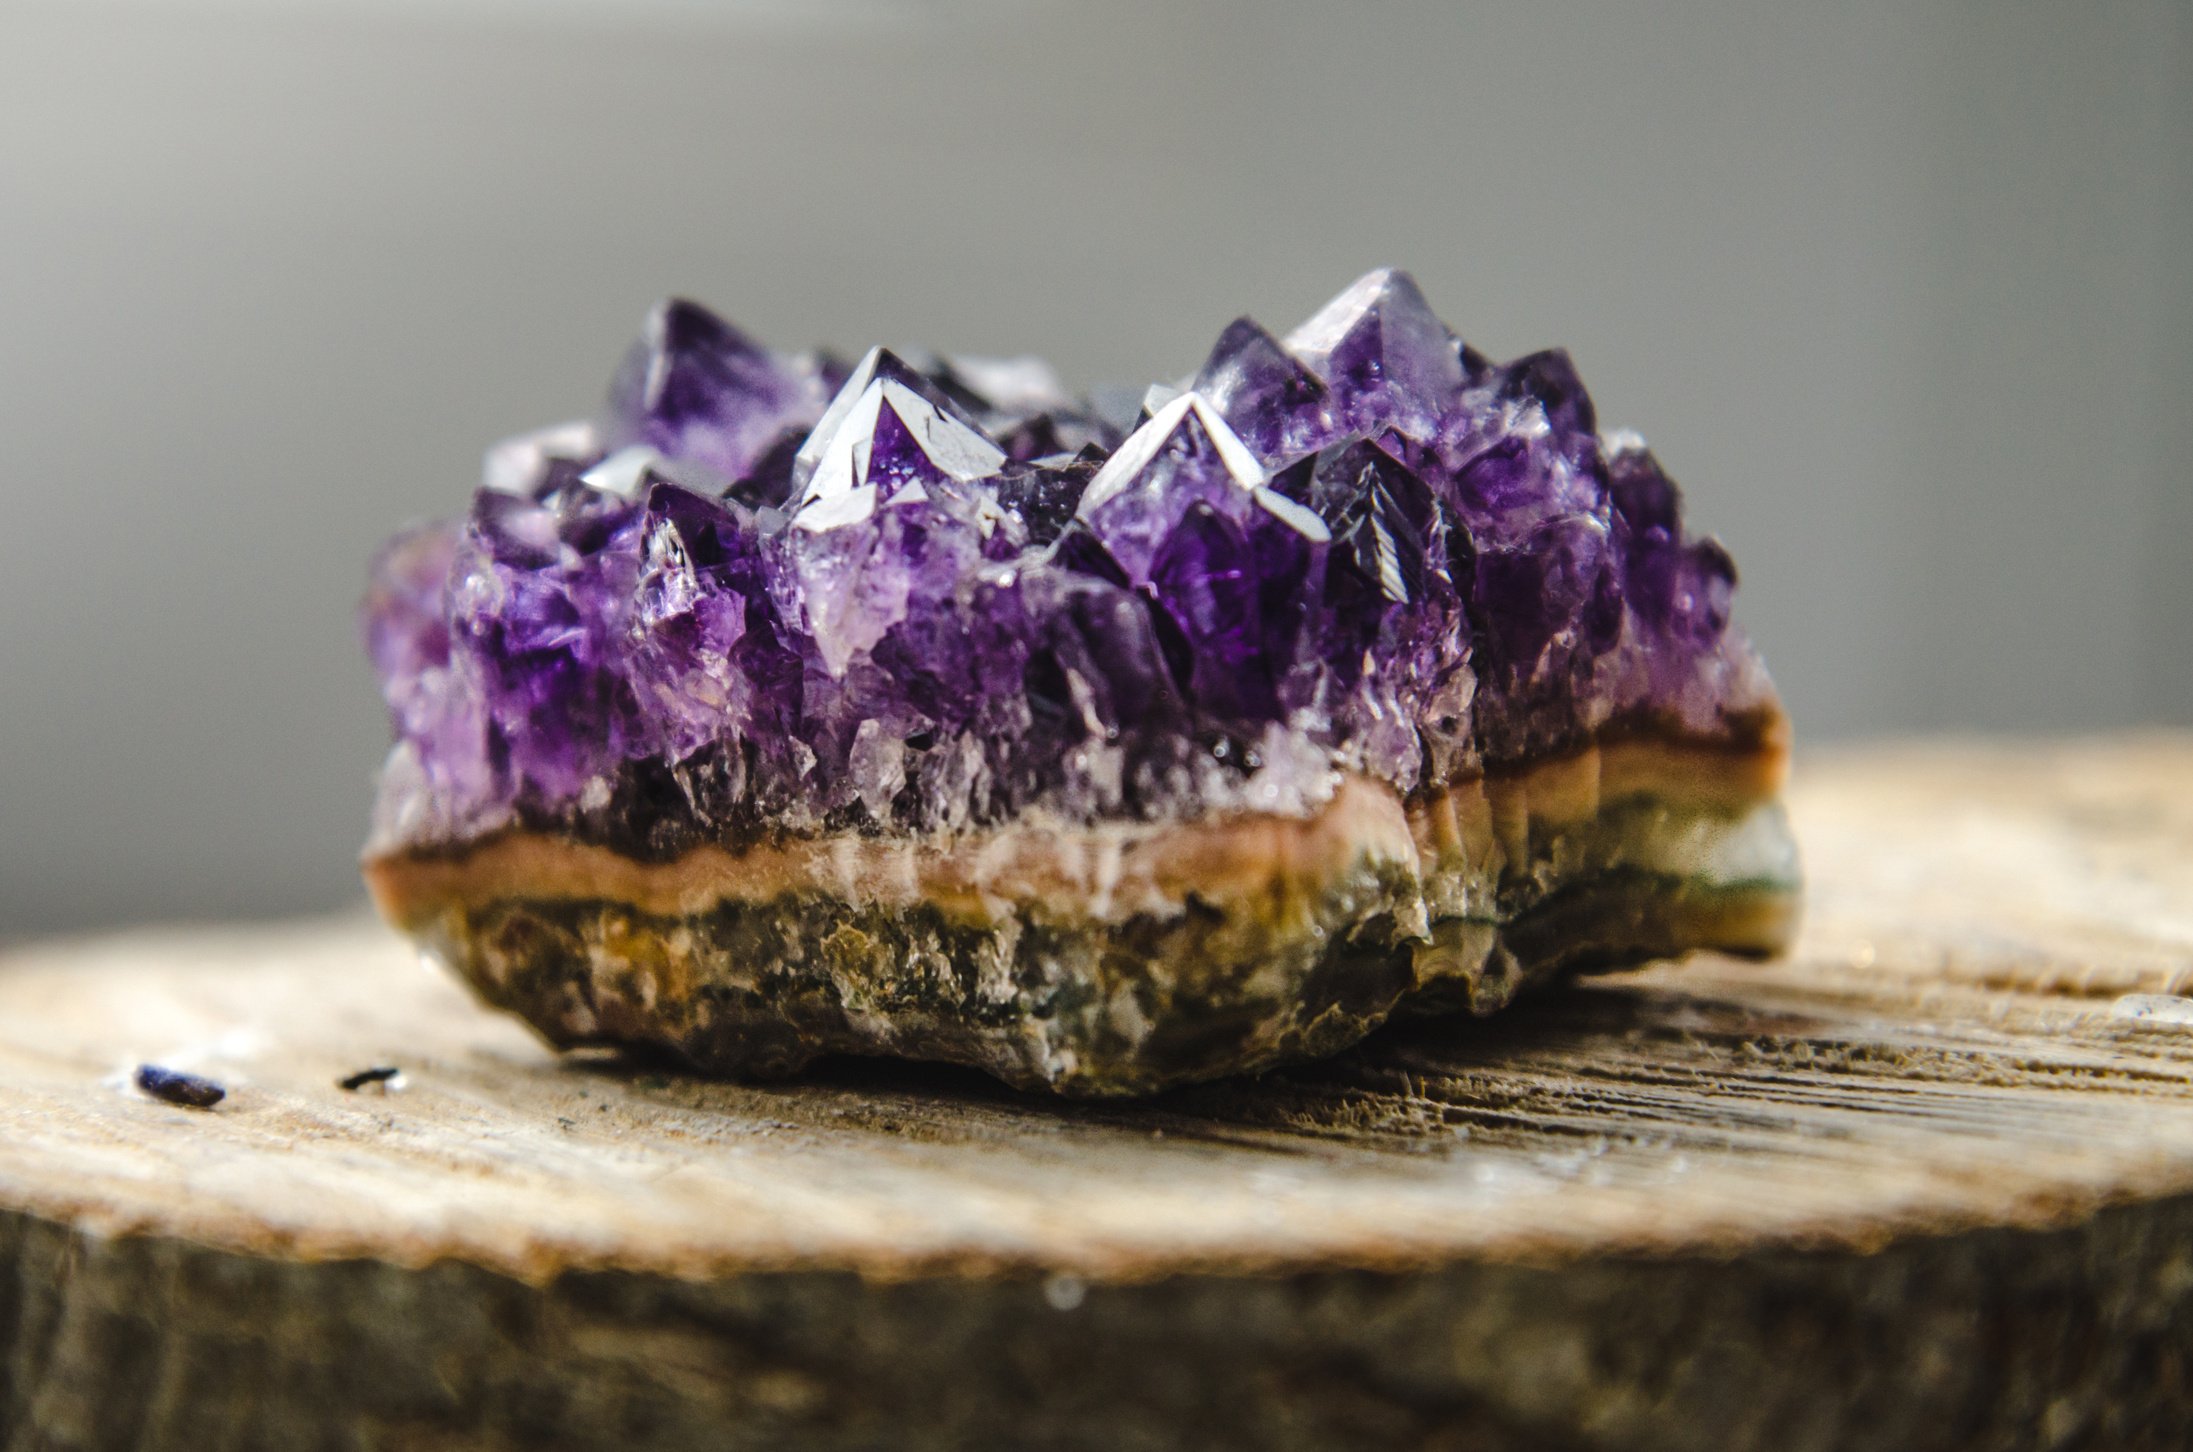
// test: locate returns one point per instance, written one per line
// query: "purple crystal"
(885, 520)
(926, 593)
(700, 586)
(1205, 579)
(1184, 456)
(539, 597)
(1388, 360)
(1278, 407)
(1385, 524)
(696, 388)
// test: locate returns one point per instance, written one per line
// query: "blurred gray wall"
(1901, 293)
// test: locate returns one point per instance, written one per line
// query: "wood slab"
(1927, 1183)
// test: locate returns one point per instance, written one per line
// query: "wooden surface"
(1883, 1191)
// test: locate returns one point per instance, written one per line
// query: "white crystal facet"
(1142, 447)
(518, 464)
(1329, 326)
(625, 472)
(837, 491)
(1300, 517)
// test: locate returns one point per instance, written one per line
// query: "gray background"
(1900, 292)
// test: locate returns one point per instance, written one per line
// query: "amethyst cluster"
(918, 594)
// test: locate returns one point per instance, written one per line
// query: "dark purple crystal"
(696, 388)
(925, 593)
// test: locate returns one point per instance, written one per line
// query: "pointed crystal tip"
(925, 591)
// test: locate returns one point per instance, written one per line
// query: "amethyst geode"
(917, 707)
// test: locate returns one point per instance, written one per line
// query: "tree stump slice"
(1927, 1183)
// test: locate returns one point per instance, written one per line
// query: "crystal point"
(915, 707)
(837, 448)
(1383, 518)
(1278, 406)
(694, 387)
(1384, 353)
(1186, 454)
(939, 589)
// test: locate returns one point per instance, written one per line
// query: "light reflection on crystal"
(521, 465)
(929, 593)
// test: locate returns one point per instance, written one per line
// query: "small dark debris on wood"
(173, 1086)
(385, 1076)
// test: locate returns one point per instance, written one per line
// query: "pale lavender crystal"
(778, 593)
(441, 779)
(890, 512)
(688, 633)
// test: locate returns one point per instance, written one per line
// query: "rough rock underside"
(914, 706)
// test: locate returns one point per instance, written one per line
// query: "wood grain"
(1927, 1182)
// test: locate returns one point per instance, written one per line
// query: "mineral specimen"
(918, 708)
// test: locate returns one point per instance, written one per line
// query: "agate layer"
(914, 707)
